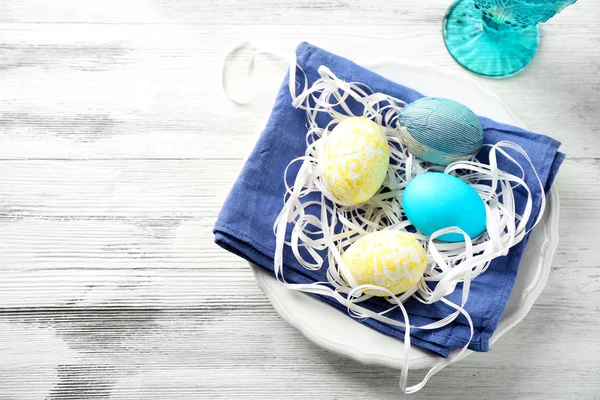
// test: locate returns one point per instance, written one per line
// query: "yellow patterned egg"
(356, 160)
(391, 259)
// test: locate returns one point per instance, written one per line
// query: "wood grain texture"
(117, 149)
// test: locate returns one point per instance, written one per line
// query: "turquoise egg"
(440, 130)
(434, 200)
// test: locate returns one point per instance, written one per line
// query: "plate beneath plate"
(338, 332)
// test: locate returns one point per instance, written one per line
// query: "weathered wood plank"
(72, 190)
(257, 12)
(249, 352)
(138, 232)
(146, 91)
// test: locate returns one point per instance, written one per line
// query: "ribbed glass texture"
(497, 38)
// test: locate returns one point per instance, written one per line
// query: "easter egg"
(440, 130)
(434, 200)
(356, 159)
(391, 259)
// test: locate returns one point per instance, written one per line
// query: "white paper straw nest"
(448, 263)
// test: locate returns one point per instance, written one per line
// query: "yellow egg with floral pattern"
(355, 160)
(391, 259)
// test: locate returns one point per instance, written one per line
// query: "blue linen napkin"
(245, 223)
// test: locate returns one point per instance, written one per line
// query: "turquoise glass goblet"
(497, 38)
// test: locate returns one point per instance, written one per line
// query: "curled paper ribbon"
(339, 225)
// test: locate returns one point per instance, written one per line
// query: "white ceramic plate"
(336, 331)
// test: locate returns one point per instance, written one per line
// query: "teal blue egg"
(434, 200)
(440, 130)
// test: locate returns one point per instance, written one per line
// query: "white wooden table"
(117, 149)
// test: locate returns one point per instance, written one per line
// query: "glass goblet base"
(487, 48)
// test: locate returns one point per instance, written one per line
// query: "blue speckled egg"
(434, 200)
(440, 130)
